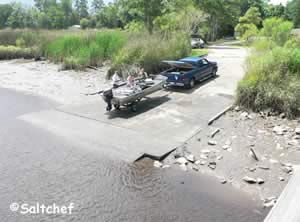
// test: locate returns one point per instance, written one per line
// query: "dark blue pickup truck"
(187, 71)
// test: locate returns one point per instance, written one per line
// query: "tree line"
(211, 19)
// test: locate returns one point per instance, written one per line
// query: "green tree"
(260, 4)
(97, 5)
(66, 8)
(277, 30)
(108, 17)
(275, 11)
(84, 23)
(17, 17)
(44, 5)
(31, 18)
(56, 16)
(140, 10)
(222, 16)
(81, 8)
(248, 21)
(186, 18)
(5, 12)
(293, 12)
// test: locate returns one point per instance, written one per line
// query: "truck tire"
(191, 83)
(214, 73)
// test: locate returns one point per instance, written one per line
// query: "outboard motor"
(108, 96)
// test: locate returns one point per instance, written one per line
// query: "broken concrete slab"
(249, 180)
(212, 142)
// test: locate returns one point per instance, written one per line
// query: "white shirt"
(116, 78)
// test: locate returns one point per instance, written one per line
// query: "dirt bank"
(46, 79)
(254, 152)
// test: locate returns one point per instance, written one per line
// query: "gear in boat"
(124, 94)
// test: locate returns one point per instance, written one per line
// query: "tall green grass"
(272, 82)
(79, 51)
(12, 52)
(148, 51)
(272, 79)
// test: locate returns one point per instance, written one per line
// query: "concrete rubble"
(270, 141)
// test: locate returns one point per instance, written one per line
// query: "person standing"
(143, 74)
(130, 80)
(116, 79)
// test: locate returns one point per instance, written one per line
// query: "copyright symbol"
(14, 207)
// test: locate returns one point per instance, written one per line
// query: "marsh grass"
(13, 52)
(148, 51)
(80, 49)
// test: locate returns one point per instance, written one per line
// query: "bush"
(20, 42)
(277, 30)
(272, 81)
(250, 33)
(148, 51)
(84, 23)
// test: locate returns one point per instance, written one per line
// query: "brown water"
(36, 166)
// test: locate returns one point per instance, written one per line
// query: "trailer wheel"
(133, 107)
(117, 106)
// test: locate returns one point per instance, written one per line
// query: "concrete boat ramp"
(159, 126)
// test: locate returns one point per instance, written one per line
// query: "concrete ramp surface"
(163, 122)
(111, 140)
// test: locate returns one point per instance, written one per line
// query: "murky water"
(36, 166)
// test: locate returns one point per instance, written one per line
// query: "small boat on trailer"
(126, 96)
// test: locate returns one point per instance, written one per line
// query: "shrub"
(277, 30)
(263, 44)
(272, 81)
(84, 23)
(20, 42)
(250, 33)
(272, 77)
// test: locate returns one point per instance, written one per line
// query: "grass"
(13, 52)
(272, 81)
(199, 52)
(148, 51)
(80, 49)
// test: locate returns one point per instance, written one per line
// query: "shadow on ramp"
(158, 158)
(191, 91)
(143, 106)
